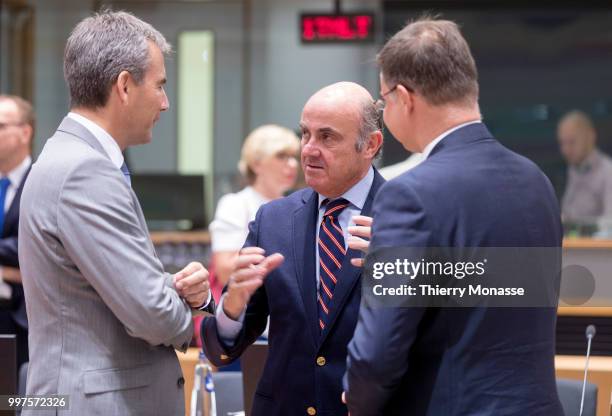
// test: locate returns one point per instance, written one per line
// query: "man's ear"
(405, 98)
(123, 85)
(374, 143)
(26, 134)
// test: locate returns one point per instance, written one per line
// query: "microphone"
(590, 333)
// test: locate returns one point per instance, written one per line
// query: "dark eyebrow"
(328, 130)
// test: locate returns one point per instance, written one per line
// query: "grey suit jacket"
(104, 316)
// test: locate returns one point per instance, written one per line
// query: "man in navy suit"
(16, 132)
(307, 284)
(470, 191)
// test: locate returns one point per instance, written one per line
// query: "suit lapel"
(12, 215)
(350, 274)
(304, 223)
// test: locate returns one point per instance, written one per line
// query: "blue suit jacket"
(8, 257)
(292, 381)
(470, 192)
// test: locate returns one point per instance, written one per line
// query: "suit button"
(311, 411)
(180, 382)
(321, 361)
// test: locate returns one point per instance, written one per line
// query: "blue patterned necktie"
(126, 174)
(4, 184)
(331, 256)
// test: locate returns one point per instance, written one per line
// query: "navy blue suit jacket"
(470, 192)
(9, 258)
(292, 381)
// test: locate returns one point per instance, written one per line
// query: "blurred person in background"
(16, 133)
(269, 164)
(588, 194)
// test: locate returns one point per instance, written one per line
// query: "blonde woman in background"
(269, 164)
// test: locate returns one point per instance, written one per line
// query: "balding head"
(351, 100)
(577, 136)
(340, 137)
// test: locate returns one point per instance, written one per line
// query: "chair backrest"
(23, 378)
(8, 364)
(253, 360)
(228, 392)
(570, 392)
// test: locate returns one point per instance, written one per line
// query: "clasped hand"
(192, 284)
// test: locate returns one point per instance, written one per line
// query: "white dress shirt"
(107, 142)
(438, 139)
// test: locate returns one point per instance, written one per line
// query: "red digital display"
(322, 28)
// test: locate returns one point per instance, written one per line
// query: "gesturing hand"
(192, 284)
(363, 228)
(250, 269)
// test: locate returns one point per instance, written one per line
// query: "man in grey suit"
(104, 316)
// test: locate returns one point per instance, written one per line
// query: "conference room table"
(572, 367)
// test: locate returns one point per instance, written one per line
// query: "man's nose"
(165, 102)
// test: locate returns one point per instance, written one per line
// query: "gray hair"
(102, 46)
(370, 123)
(432, 58)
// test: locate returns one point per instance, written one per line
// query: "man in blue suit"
(16, 132)
(470, 191)
(307, 284)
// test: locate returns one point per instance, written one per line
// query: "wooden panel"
(199, 237)
(586, 243)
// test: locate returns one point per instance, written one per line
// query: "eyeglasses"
(7, 125)
(380, 103)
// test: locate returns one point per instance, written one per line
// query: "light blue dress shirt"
(357, 195)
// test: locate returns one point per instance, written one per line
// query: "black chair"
(228, 392)
(570, 392)
(8, 364)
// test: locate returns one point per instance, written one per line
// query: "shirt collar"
(438, 139)
(358, 193)
(591, 161)
(17, 174)
(107, 142)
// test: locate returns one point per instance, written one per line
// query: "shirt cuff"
(228, 328)
(203, 307)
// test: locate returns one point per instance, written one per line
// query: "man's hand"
(355, 242)
(250, 269)
(192, 284)
(11, 274)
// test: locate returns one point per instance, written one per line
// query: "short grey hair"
(370, 123)
(102, 46)
(432, 58)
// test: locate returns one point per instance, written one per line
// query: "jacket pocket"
(113, 379)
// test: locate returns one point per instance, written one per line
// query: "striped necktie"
(4, 184)
(331, 255)
(126, 174)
